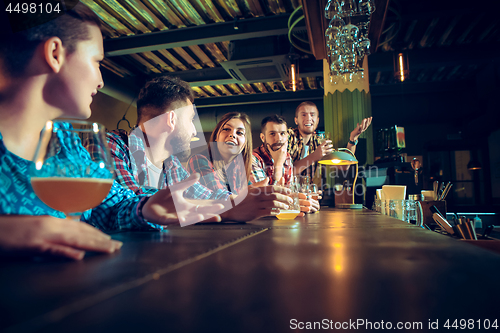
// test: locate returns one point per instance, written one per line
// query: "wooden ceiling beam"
(316, 23)
(377, 23)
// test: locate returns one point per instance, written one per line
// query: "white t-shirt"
(305, 151)
(153, 174)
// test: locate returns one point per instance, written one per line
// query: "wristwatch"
(353, 142)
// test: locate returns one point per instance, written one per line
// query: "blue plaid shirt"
(120, 210)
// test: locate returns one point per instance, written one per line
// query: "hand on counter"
(31, 235)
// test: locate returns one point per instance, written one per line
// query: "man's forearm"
(301, 165)
(351, 147)
(278, 171)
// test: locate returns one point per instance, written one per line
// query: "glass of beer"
(294, 209)
(66, 176)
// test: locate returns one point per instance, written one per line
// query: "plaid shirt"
(131, 169)
(296, 148)
(234, 173)
(263, 166)
(120, 210)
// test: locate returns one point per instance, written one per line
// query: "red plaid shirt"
(234, 172)
(263, 166)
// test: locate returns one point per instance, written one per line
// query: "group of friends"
(52, 70)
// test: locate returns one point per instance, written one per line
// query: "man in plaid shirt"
(272, 160)
(304, 145)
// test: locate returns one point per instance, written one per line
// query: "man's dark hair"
(159, 94)
(18, 45)
(271, 119)
(306, 103)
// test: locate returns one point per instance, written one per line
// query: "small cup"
(394, 192)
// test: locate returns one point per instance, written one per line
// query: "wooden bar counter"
(332, 268)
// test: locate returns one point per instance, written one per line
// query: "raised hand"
(31, 235)
(360, 128)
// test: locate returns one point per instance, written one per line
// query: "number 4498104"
(33, 8)
(471, 324)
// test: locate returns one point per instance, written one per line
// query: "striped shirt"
(297, 147)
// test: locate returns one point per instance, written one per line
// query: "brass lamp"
(343, 156)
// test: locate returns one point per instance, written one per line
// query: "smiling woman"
(227, 162)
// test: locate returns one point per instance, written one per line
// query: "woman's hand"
(260, 201)
(169, 206)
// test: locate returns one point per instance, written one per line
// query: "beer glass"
(65, 176)
(294, 209)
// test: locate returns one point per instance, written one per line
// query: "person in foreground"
(271, 161)
(163, 134)
(46, 72)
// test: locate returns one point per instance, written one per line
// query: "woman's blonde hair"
(247, 148)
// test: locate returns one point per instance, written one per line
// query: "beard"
(181, 145)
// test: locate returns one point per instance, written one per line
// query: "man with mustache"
(271, 160)
(272, 163)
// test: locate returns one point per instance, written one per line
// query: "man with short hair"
(303, 143)
(272, 160)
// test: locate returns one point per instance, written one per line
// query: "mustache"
(276, 146)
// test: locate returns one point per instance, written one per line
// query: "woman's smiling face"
(231, 138)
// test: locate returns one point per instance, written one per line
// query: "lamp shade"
(338, 158)
(474, 165)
